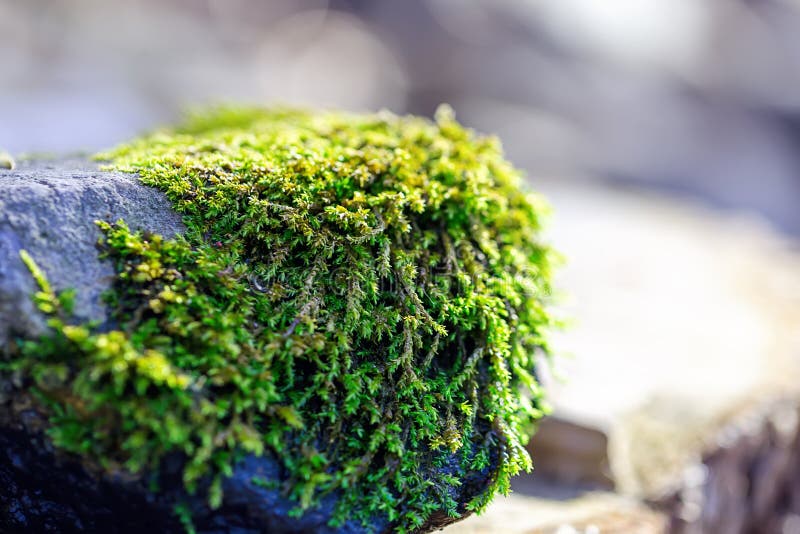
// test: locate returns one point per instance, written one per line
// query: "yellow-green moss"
(6, 161)
(357, 295)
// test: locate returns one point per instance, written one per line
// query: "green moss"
(6, 161)
(357, 295)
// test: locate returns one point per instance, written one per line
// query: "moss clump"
(357, 295)
(6, 161)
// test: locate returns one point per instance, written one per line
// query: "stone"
(48, 208)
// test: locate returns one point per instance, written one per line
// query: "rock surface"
(49, 209)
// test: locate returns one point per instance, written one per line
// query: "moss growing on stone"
(356, 295)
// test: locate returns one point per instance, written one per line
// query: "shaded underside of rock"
(49, 209)
(44, 490)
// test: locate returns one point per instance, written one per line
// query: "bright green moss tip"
(357, 295)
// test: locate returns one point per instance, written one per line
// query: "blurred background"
(666, 133)
(697, 97)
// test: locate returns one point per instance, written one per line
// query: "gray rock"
(49, 209)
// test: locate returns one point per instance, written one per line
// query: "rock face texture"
(49, 209)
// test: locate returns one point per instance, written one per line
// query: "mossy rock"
(343, 334)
